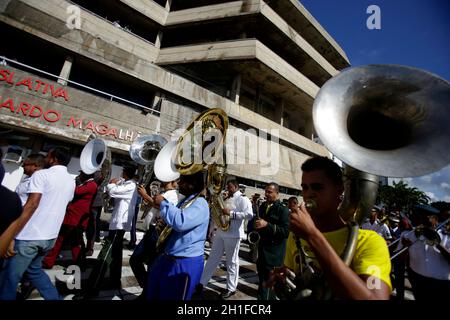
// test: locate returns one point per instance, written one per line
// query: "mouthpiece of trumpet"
(310, 204)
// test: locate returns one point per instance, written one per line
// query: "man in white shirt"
(124, 193)
(35, 231)
(377, 226)
(429, 256)
(31, 164)
(239, 208)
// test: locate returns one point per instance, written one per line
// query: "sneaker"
(227, 294)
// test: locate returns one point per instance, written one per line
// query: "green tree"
(441, 205)
(401, 196)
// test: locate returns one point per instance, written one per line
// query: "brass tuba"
(143, 151)
(386, 120)
(201, 145)
(97, 156)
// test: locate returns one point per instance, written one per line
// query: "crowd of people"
(50, 209)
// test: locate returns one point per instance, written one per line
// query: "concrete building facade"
(122, 68)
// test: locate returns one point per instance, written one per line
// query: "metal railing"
(107, 94)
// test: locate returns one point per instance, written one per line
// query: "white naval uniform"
(229, 241)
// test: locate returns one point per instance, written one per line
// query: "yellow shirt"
(371, 256)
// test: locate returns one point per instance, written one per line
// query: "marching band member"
(229, 241)
(178, 269)
(324, 234)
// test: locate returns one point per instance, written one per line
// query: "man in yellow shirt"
(324, 234)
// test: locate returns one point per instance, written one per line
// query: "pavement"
(246, 290)
(247, 287)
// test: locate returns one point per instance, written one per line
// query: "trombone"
(430, 234)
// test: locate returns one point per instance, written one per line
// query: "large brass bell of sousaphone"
(389, 120)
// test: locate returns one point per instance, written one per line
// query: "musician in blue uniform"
(178, 269)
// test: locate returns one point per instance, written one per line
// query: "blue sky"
(413, 32)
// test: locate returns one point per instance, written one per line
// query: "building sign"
(26, 109)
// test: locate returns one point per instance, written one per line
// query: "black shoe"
(198, 292)
(227, 294)
(198, 288)
(26, 289)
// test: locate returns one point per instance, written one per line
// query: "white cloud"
(445, 185)
(435, 185)
(432, 196)
(427, 178)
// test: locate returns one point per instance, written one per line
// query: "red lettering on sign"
(113, 132)
(38, 85)
(25, 82)
(35, 115)
(24, 108)
(56, 116)
(8, 104)
(75, 123)
(90, 126)
(4, 73)
(61, 93)
(102, 128)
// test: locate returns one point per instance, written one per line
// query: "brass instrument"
(253, 236)
(184, 159)
(97, 156)
(144, 151)
(429, 235)
(386, 120)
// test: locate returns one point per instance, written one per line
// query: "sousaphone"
(386, 120)
(200, 146)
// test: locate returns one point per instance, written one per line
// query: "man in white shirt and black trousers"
(239, 208)
(37, 228)
(125, 196)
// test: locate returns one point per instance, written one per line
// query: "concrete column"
(168, 4)
(157, 100)
(65, 71)
(279, 112)
(158, 39)
(257, 108)
(236, 88)
(309, 128)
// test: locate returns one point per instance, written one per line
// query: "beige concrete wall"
(47, 19)
(273, 61)
(239, 49)
(217, 11)
(239, 8)
(249, 153)
(214, 51)
(305, 13)
(142, 69)
(278, 22)
(150, 9)
(80, 106)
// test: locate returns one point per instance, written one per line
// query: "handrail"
(82, 85)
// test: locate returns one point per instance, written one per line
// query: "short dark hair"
(196, 180)
(293, 198)
(331, 168)
(37, 159)
(61, 154)
(129, 171)
(233, 182)
(275, 186)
